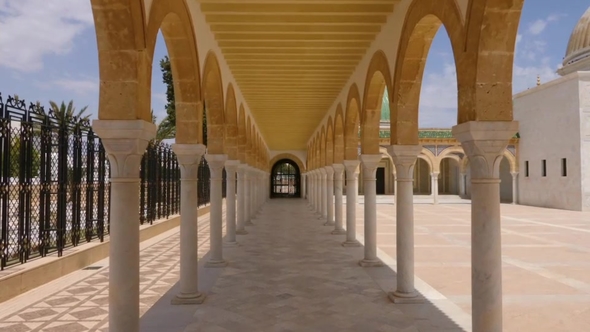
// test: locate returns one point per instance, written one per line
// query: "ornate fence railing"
(55, 188)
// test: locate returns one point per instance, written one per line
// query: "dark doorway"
(381, 181)
(285, 179)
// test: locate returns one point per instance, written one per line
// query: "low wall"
(43, 270)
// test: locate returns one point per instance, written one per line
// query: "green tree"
(167, 127)
(15, 162)
(66, 114)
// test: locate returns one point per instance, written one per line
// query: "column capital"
(231, 168)
(370, 161)
(351, 166)
(434, 174)
(404, 157)
(514, 174)
(338, 168)
(189, 157)
(484, 143)
(322, 171)
(125, 142)
(329, 171)
(216, 163)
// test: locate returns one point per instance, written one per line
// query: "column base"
(350, 244)
(338, 232)
(405, 298)
(183, 299)
(371, 263)
(242, 232)
(215, 264)
(329, 223)
(231, 244)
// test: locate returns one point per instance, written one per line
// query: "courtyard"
(291, 274)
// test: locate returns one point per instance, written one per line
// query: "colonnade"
(484, 143)
(125, 142)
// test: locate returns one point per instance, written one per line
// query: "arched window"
(285, 179)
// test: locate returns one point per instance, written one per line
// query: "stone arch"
(428, 156)
(289, 156)
(231, 124)
(318, 160)
(450, 152)
(509, 157)
(486, 93)
(124, 88)
(173, 19)
(322, 147)
(421, 24)
(213, 99)
(338, 135)
(377, 81)
(511, 160)
(242, 134)
(351, 123)
(330, 142)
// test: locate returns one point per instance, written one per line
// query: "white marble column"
(323, 194)
(484, 144)
(189, 157)
(251, 196)
(338, 171)
(434, 187)
(216, 163)
(318, 193)
(231, 168)
(462, 177)
(404, 158)
(514, 187)
(351, 194)
(329, 196)
(304, 185)
(125, 142)
(242, 213)
(370, 163)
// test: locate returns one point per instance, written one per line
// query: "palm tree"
(166, 129)
(67, 114)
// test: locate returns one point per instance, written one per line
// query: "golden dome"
(579, 44)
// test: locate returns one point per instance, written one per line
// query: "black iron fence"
(54, 183)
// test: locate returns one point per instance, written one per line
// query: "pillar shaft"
(514, 187)
(231, 168)
(125, 142)
(462, 191)
(329, 196)
(370, 163)
(351, 167)
(304, 186)
(241, 215)
(216, 163)
(189, 157)
(434, 187)
(404, 158)
(338, 171)
(484, 144)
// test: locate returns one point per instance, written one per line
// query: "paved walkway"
(290, 274)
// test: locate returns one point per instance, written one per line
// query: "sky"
(48, 52)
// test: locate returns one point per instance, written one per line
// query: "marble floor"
(291, 274)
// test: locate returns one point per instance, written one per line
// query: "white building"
(554, 148)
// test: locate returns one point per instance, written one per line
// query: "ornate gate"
(285, 179)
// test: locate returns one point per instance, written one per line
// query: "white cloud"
(81, 87)
(538, 26)
(32, 29)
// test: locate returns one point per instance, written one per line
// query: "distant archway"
(285, 179)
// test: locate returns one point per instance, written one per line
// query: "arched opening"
(285, 181)
(422, 178)
(505, 181)
(448, 181)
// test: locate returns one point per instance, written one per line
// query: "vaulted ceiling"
(291, 58)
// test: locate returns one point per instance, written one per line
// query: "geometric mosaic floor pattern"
(83, 304)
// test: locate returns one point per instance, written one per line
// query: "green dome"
(385, 114)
